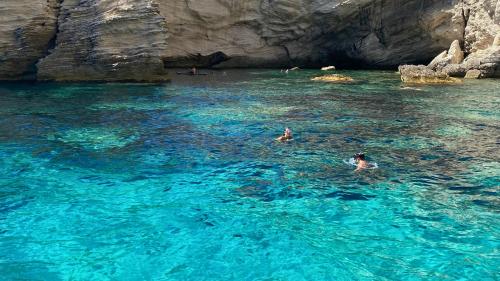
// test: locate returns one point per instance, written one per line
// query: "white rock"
(473, 74)
(455, 53)
(326, 68)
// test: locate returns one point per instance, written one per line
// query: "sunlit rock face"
(26, 30)
(139, 39)
(107, 40)
(369, 33)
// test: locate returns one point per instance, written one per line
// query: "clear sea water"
(183, 181)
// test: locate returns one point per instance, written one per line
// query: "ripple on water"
(133, 105)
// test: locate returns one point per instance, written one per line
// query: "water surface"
(183, 181)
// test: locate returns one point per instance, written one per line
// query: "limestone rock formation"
(473, 74)
(141, 39)
(439, 61)
(112, 40)
(454, 70)
(455, 53)
(481, 39)
(280, 33)
(485, 62)
(27, 29)
(421, 74)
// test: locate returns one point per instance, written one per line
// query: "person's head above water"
(359, 156)
(287, 135)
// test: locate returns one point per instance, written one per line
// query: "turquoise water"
(183, 181)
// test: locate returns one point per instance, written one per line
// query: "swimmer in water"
(287, 135)
(361, 162)
(193, 71)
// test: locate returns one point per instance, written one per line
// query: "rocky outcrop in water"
(481, 64)
(481, 44)
(140, 39)
(421, 74)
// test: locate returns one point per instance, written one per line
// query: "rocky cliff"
(26, 32)
(139, 39)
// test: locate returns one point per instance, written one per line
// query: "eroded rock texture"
(107, 40)
(139, 39)
(376, 33)
(27, 29)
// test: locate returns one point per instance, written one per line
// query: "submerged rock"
(421, 74)
(336, 78)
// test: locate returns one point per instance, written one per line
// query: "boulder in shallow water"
(473, 74)
(327, 68)
(335, 78)
(421, 74)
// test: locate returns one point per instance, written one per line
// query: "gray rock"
(104, 41)
(488, 70)
(440, 61)
(26, 31)
(455, 70)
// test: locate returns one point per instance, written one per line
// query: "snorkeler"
(287, 135)
(361, 162)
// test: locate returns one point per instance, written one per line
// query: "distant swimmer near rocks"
(287, 135)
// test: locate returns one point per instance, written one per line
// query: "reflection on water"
(184, 181)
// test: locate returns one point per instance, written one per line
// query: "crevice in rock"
(287, 54)
(51, 45)
(197, 60)
(465, 12)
